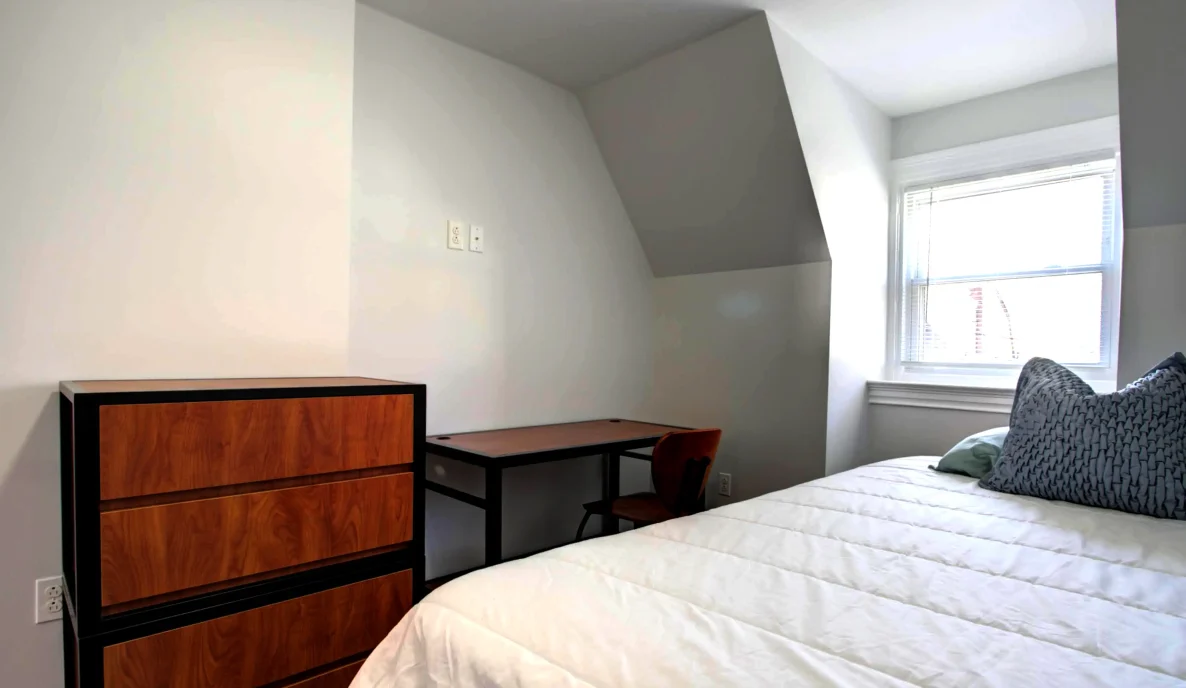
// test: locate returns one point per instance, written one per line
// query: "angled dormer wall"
(701, 144)
(1152, 109)
(744, 163)
(846, 142)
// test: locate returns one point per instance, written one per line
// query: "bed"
(886, 575)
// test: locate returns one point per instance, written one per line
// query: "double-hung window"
(1012, 254)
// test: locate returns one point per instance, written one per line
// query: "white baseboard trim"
(930, 395)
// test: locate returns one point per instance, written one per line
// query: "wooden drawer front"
(153, 550)
(154, 448)
(259, 646)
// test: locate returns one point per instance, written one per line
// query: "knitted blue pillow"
(1124, 451)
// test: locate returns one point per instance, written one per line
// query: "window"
(996, 268)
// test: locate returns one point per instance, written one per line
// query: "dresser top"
(70, 388)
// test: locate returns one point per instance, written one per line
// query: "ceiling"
(904, 55)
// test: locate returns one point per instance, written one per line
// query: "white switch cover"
(457, 234)
(476, 238)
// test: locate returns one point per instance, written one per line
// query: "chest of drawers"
(240, 533)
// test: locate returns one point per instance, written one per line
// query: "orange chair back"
(673, 456)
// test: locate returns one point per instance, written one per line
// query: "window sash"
(915, 303)
(1020, 274)
(913, 280)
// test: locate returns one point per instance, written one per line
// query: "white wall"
(846, 143)
(551, 323)
(896, 431)
(174, 198)
(1153, 143)
(1069, 99)
(747, 351)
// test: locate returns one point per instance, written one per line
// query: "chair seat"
(641, 507)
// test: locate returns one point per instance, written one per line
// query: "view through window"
(1001, 269)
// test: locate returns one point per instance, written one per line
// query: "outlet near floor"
(725, 484)
(50, 599)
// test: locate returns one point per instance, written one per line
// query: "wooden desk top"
(549, 438)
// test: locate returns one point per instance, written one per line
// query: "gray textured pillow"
(1124, 451)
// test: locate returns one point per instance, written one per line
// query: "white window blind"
(1000, 269)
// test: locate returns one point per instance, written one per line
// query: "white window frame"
(1061, 145)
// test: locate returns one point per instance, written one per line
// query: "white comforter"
(889, 574)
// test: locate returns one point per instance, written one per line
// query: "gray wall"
(738, 151)
(1066, 100)
(846, 143)
(174, 202)
(910, 431)
(1152, 60)
(701, 144)
(747, 351)
(1153, 301)
(552, 323)
(1152, 54)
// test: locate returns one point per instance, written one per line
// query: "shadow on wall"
(30, 532)
(747, 351)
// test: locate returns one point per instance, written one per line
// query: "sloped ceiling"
(702, 146)
(904, 55)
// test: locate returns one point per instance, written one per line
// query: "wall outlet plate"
(457, 235)
(725, 483)
(477, 238)
(50, 599)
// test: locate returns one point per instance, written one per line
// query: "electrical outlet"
(725, 483)
(457, 234)
(476, 234)
(50, 600)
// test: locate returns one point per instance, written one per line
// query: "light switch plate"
(456, 238)
(477, 238)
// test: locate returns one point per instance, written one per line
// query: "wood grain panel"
(538, 438)
(334, 678)
(244, 488)
(246, 580)
(255, 647)
(155, 448)
(159, 549)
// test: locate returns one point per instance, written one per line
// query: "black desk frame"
(611, 453)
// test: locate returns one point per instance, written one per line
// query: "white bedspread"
(889, 574)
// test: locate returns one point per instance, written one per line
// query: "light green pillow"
(975, 455)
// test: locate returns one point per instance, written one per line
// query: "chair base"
(641, 509)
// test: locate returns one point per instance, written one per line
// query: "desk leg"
(493, 516)
(610, 484)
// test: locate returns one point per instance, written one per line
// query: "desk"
(498, 450)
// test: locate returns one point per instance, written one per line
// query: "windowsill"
(941, 396)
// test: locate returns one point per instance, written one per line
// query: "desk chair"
(680, 465)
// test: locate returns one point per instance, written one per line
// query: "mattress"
(886, 575)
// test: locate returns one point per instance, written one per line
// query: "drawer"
(154, 550)
(265, 645)
(156, 448)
